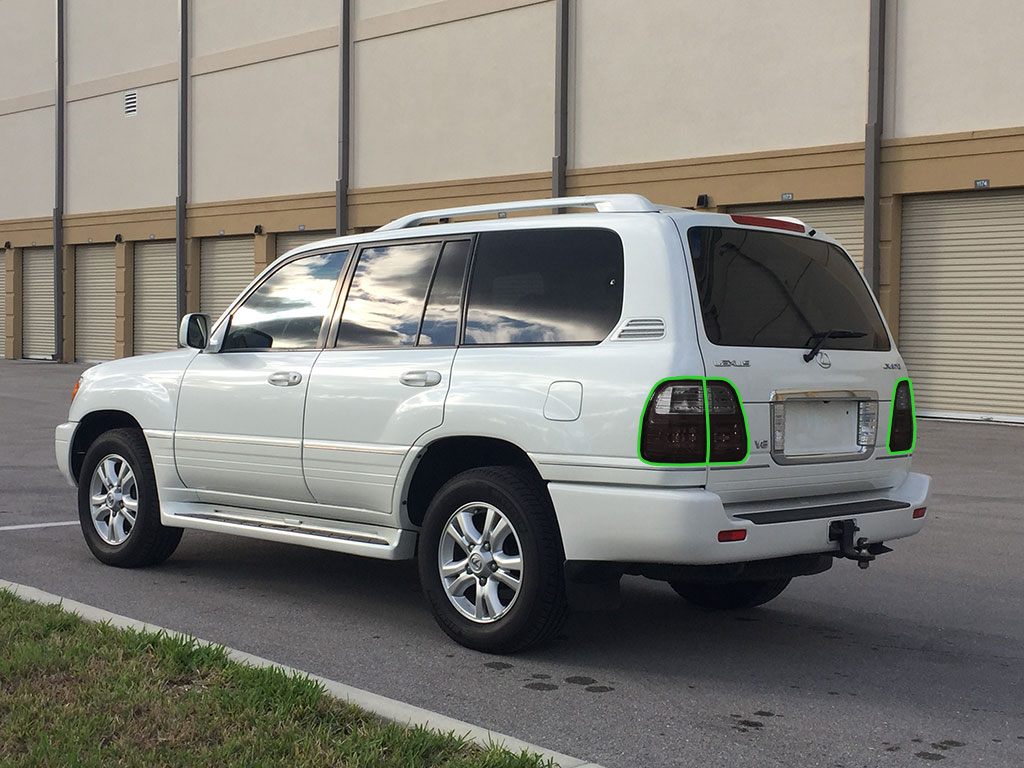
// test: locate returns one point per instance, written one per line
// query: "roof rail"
(602, 203)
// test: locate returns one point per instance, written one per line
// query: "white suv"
(531, 406)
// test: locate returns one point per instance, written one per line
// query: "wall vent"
(642, 329)
(131, 102)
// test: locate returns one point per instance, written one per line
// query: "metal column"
(344, 115)
(873, 145)
(58, 194)
(181, 200)
(559, 161)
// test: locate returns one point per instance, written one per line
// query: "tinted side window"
(287, 309)
(441, 318)
(385, 302)
(545, 286)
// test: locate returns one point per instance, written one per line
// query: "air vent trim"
(641, 329)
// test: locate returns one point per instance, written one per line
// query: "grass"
(74, 693)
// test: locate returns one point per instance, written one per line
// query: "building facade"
(181, 146)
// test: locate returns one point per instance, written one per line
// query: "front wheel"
(118, 505)
(490, 561)
(715, 596)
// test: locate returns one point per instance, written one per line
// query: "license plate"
(820, 427)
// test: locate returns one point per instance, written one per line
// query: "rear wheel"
(730, 595)
(118, 506)
(490, 561)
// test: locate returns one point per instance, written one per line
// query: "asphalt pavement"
(918, 659)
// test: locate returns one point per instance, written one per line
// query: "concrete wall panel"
(365, 9)
(468, 99)
(111, 37)
(668, 79)
(266, 129)
(957, 66)
(26, 157)
(118, 162)
(220, 25)
(28, 48)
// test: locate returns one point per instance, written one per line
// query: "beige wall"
(957, 66)
(365, 9)
(221, 25)
(27, 114)
(117, 162)
(111, 37)
(687, 78)
(467, 99)
(27, 53)
(26, 160)
(266, 129)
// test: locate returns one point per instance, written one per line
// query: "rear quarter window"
(545, 286)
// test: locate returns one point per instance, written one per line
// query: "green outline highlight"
(913, 418)
(707, 423)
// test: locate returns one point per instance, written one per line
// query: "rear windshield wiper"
(816, 340)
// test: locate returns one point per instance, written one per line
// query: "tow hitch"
(860, 550)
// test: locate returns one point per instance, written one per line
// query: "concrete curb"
(388, 709)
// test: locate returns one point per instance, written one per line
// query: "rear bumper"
(63, 437)
(681, 526)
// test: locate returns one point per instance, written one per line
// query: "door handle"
(420, 378)
(285, 378)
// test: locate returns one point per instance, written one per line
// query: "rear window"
(545, 286)
(761, 289)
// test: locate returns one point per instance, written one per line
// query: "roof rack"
(602, 203)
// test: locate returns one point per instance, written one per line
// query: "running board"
(351, 538)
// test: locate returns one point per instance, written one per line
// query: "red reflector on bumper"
(736, 535)
(919, 513)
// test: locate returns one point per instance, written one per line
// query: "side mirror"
(194, 331)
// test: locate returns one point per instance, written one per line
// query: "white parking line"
(38, 525)
(388, 709)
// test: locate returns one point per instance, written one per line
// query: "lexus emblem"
(823, 360)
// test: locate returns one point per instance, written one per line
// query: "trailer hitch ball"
(860, 549)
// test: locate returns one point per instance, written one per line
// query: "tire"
(117, 474)
(527, 551)
(732, 595)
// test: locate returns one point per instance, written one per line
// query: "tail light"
(867, 422)
(728, 429)
(674, 429)
(678, 429)
(901, 426)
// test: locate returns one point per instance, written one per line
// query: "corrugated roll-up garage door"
(37, 303)
(155, 302)
(288, 240)
(225, 269)
(962, 303)
(3, 305)
(94, 302)
(839, 219)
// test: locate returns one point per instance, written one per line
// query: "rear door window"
(544, 286)
(441, 317)
(762, 289)
(386, 300)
